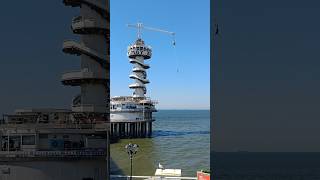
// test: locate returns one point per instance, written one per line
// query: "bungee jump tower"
(131, 116)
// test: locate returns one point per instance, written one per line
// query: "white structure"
(137, 107)
(131, 116)
(168, 172)
(137, 53)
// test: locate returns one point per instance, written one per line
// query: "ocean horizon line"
(183, 109)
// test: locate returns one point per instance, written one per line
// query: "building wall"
(54, 170)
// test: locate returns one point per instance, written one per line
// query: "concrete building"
(62, 144)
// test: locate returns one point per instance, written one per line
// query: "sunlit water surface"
(181, 140)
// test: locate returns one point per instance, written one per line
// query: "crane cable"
(217, 46)
(175, 53)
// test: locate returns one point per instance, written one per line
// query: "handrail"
(71, 153)
(88, 105)
(146, 66)
(84, 22)
(88, 126)
(99, 7)
(80, 48)
(152, 177)
(132, 120)
(131, 110)
(134, 76)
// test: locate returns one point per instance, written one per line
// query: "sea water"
(181, 140)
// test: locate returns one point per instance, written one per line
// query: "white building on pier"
(131, 116)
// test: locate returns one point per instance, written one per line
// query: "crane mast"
(140, 26)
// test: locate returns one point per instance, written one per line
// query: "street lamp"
(131, 150)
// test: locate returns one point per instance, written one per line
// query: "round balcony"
(136, 85)
(139, 50)
(134, 61)
(133, 76)
(100, 7)
(90, 108)
(72, 47)
(76, 78)
(81, 25)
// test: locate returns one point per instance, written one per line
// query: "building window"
(43, 136)
(28, 140)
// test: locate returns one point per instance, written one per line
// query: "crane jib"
(139, 27)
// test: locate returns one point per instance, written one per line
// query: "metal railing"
(101, 125)
(132, 120)
(150, 177)
(77, 153)
(132, 110)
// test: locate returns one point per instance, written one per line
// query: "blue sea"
(181, 140)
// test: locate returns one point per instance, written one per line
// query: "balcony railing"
(39, 126)
(48, 154)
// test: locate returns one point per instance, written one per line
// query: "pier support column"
(122, 129)
(111, 129)
(144, 129)
(134, 130)
(118, 129)
(147, 129)
(150, 129)
(125, 129)
(142, 123)
(139, 129)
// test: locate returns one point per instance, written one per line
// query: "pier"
(131, 117)
(136, 129)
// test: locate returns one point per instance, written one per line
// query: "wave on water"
(162, 133)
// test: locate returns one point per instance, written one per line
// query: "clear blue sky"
(188, 88)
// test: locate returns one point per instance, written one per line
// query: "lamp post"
(131, 150)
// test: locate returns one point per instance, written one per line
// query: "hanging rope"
(175, 53)
(217, 46)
